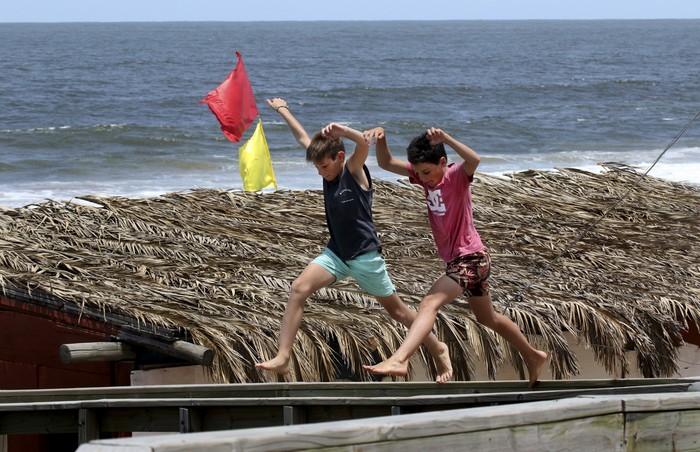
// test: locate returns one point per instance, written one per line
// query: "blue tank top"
(349, 216)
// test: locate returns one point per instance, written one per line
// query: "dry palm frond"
(217, 266)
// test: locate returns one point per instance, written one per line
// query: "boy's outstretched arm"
(280, 106)
(385, 160)
(470, 157)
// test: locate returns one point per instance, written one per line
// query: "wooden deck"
(91, 412)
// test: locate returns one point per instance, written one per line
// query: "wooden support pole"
(178, 349)
(197, 353)
(96, 351)
(88, 425)
(292, 415)
(190, 420)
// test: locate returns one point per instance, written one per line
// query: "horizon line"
(349, 20)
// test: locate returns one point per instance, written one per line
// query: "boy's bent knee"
(430, 304)
(302, 287)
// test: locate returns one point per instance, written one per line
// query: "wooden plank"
(667, 430)
(32, 422)
(346, 412)
(486, 390)
(598, 433)
(412, 401)
(662, 422)
(659, 402)
(346, 389)
(394, 429)
(140, 419)
(241, 417)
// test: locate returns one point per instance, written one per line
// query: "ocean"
(113, 108)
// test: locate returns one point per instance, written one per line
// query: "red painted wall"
(30, 338)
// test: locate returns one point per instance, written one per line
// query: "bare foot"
(276, 364)
(535, 366)
(388, 367)
(443, 364)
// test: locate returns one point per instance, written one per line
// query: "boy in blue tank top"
(353, 249)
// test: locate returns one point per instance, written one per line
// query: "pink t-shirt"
(450, 213)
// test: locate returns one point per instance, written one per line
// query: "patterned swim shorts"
(471, 272)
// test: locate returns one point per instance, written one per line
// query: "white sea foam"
(683, 167)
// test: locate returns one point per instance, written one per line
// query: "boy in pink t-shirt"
(447, 189)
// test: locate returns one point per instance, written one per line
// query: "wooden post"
(292, 415)
(190, 420)
(96, 351)
(88, 425)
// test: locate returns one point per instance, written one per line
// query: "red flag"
(233, 102)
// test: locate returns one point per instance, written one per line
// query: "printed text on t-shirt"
(435, 202)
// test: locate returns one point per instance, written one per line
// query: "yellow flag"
(254, 162)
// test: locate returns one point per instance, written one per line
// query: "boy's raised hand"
(436, 136)
(372, 135)
(333, 130)
(277, 103)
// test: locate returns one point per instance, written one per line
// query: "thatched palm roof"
(217, 265)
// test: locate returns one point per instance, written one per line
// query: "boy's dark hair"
(322, 147)
(420, 150)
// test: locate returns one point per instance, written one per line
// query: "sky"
(276, 10)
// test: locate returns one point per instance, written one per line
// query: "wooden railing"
(92, 412)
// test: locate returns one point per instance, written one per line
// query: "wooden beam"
(45, 421)
(481, 392)
(178, 349)
(197, 353)
(96, 351)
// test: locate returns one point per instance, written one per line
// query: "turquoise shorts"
(368, 269)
